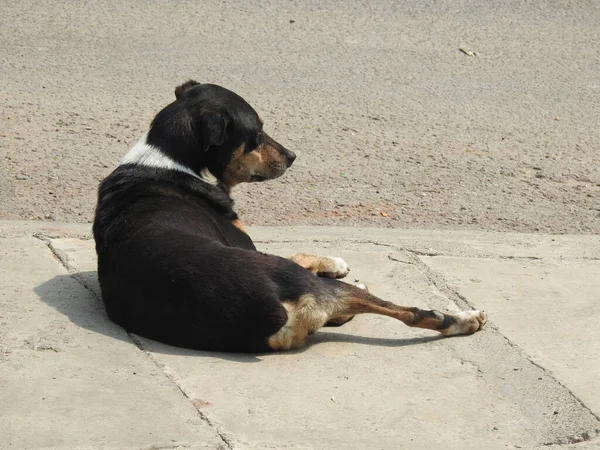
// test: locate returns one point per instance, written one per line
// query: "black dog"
(174, 262)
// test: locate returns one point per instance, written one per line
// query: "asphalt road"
(394, 125)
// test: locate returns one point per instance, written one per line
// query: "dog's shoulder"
(134, 181)
(137, 194)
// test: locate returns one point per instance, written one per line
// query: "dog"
(175, 263)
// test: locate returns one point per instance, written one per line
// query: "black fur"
(171, 264)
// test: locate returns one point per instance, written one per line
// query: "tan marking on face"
(304, 317)
(265, 161)
(238, 224)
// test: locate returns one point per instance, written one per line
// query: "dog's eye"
(255, 141)
(260, 138)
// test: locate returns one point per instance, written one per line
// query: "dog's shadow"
(77, 296)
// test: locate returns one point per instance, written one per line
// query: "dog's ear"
(214, 129)
(179, 90)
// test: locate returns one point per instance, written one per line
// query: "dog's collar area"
(144, 154)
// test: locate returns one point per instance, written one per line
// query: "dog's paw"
(467, 322)
(332, 267)
(323, 266)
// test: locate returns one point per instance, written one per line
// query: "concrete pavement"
(71, 379)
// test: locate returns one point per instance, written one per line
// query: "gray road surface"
(394, 125)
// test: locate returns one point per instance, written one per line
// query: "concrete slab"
(429, 242)
(373, 383)
(448, 243)
(20, 228)
(594, 444)
(72, 379)
(548, 308)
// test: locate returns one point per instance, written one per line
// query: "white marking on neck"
(208, 177)
(144, 154)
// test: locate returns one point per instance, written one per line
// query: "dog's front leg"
(322, 266)
(328, 267)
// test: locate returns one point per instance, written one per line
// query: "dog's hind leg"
(326, 267)
(340, 320)
(355, 300)
(343, 301)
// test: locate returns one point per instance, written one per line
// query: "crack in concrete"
(423, 253)
(461, 301)
(573, 439)
(63, 258)
(420, 253)
(437, 280)
(391, 258)
(320, 241)
(222, 435)
(551, 375)
(529, 258)
(166, 447)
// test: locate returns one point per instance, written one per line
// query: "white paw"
(341, 269)
(467, 322)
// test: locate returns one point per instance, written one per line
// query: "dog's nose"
(291, 156)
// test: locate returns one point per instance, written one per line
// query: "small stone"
(467, 52)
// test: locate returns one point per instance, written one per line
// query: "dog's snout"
(291, 156)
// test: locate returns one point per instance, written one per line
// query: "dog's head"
(210, 126)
